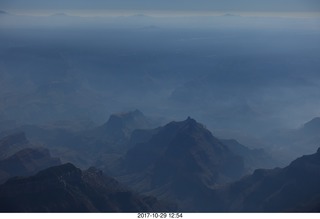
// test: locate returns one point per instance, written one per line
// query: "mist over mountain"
(253, 158)
(99, 146)
(286, 144)
(234, 73)
(74, 73)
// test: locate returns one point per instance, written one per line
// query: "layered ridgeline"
(26, 162)
(12, 143)
(294, 188)
(115, 134)
(182, 161)
(21, 158)
(97, 146)
(66, 188)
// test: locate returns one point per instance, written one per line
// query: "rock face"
(181, 162)
(66, 188)
(26, 162)
(294, 188)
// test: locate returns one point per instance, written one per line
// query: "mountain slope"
(294, 188)
(12, 143)
(26, 162)
(66, 188)
(253, 158)
(181, 162)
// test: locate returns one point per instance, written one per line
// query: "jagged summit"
(188, 124)
(191, 121)
(184, 153)
(121, 125)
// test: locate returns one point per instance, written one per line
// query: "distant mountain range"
(180, 163)
(66, 188)
(111, 138)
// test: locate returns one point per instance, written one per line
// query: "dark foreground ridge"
(66, 188)
(26, 162)
(294, 188)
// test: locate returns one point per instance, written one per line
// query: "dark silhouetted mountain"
(181, 156)
(294, 188)
(12, 143)
(253, 158)
(142, 135)
(26, 162)
(66, 188)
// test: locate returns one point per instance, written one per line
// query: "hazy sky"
(214, 5)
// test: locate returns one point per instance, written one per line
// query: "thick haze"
(227, 71)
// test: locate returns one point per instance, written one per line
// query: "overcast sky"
(214, 5)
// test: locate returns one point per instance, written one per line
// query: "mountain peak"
(185, 148)
(190, 120)
(188, 126)
(122, 124)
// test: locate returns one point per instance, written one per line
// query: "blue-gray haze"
(230, 72)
